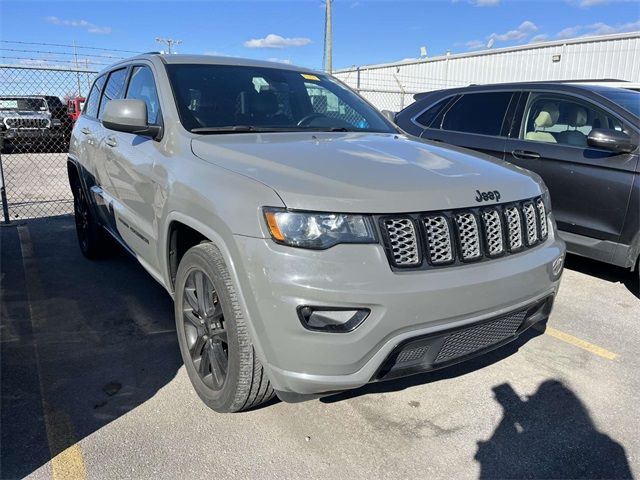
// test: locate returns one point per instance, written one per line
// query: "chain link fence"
(37, 109)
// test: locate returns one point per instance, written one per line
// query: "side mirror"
(130, 116)
(612, 140)
(389, 115)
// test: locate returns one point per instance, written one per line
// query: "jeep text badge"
(486, 196)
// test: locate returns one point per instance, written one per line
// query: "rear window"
(480, 113)
(429, 115)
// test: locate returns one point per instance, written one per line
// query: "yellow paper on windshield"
(306, 76)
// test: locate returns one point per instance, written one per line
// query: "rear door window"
(113, 89)
(480, 113)
(91, 105)
(426, 118)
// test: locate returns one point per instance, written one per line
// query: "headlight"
(318, 230)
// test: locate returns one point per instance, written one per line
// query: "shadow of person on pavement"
(548, 435)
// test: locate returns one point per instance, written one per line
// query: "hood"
(365, 172)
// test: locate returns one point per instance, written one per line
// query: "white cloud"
(589, 3)
(539, 38)
(598, 28)
(276, 41)
(84, 24)
(475, 44)
(525, 29)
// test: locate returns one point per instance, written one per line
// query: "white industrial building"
(392, 85)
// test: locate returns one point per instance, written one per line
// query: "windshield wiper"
(240, 129)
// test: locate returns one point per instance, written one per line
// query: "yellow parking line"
(583, 344)
(67, 461)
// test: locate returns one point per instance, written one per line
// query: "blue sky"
(365, 31)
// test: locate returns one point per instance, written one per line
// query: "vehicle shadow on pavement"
(548, 435)
(83, 342)
(604, 271)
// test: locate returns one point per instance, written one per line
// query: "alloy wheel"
(205, 330)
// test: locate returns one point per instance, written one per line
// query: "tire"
(215, 346)
(92, 239)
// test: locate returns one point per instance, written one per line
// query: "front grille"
(26, 123)
(451, 237)
(403, 240)
(465, 342)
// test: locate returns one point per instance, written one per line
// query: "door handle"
(86, 131)
(525, 154)
(111, 141)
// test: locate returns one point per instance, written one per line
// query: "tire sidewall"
(197, 258)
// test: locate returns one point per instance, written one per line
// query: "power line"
(68, 46)
(61, 53)
(43, 60)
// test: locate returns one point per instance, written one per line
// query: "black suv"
(581, 139)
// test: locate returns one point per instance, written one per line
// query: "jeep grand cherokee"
(309, 246)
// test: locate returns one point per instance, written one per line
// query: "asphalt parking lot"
(93, 387)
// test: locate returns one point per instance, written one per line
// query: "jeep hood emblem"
(487, 196)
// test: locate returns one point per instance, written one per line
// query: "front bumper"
(404, 305)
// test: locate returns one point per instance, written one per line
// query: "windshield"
(23, 104)
(236, 99)
(627, 99)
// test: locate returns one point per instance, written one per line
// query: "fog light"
(332, 319)
(556, 266)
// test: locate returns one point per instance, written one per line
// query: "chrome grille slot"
(542, 215)
(530, 222)
(403, 241)
(493, 232)
(514, 225)
(468, 236)
(439, 246)
(451, 237)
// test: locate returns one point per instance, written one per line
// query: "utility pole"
(75, 54)
(168, 42)
(328, 39)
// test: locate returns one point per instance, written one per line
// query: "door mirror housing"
(129, 115)
(612, 140)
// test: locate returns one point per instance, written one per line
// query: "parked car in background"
(74, 107)
(581, 139)
(34, 121)
(308, 245)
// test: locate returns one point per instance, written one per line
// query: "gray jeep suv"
(308, 245)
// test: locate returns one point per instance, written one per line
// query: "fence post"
(3, 192)
(358, 80)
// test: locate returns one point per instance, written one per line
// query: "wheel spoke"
(191, 318)
(221, 334)
(200, 292)
(196, 348)
(218, 363)
(190, 297)
(205, 362)
(217, 312)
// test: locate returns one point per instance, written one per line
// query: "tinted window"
(91, 105)
(627, 99)
(229, 96)
(114, 88)
(426, 118)
(481, 113)
(143, 87)
(564, 120)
